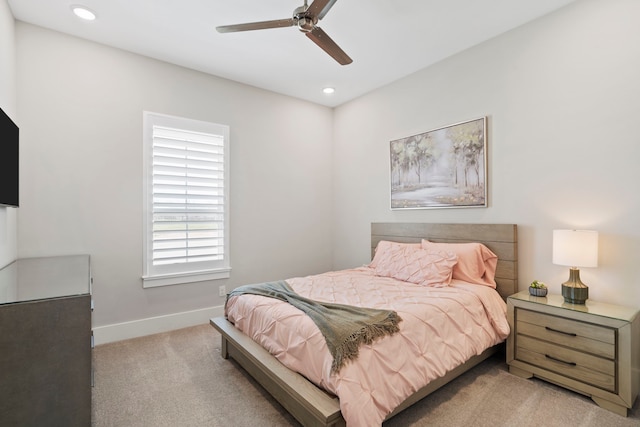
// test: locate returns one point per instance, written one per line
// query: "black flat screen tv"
(9, 138)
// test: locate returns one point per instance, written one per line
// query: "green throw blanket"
(344, 327)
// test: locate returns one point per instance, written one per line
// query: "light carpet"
(179, 379)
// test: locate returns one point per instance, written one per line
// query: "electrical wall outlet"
(222, 291)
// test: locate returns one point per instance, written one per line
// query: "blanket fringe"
(350, 348)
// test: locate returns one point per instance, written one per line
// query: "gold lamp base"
(573, 290)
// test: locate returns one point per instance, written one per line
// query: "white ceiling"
(386, 39)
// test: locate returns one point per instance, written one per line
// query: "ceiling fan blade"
(263, 25)
(319, 8)
(322, 39)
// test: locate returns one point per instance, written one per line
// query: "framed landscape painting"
(441, 168)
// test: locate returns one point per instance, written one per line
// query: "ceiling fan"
(305, 18)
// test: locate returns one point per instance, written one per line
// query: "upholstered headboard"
(502, 239)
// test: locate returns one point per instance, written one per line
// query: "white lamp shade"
(575, 248)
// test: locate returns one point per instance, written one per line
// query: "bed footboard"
(310, 405)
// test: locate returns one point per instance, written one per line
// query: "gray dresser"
(45, 342)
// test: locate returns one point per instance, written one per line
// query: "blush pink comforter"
(441, 329)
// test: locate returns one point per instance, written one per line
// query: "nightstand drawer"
(578, 335)
(587, 368)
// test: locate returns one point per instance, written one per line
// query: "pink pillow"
(412, 264)
(476, 263)
(384, 246)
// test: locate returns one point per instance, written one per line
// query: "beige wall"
(81, 107)
(8, 216)
(562, 96)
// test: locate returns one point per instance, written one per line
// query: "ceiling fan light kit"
(305, 18)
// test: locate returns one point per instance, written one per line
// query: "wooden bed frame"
(312, 406)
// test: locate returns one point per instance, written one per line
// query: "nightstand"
(593, 349)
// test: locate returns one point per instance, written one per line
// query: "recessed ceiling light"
(328, 90)
(83, 12)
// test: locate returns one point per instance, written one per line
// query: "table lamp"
(575, 248)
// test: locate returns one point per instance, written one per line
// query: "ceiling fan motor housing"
(305, 22)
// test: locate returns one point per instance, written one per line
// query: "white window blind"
(186, 229)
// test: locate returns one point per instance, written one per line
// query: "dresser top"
(30, 279)
(591, 307)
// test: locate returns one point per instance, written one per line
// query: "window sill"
(181, 278)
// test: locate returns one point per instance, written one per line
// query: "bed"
(313, 406)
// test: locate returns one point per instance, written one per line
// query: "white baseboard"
(154, 325)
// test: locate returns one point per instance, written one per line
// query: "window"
(186, 182)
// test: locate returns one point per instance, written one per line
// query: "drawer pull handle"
(571, 334)
(559, 360)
